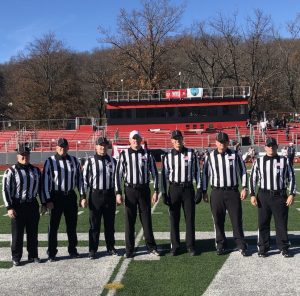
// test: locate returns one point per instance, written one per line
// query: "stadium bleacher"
(83, 137)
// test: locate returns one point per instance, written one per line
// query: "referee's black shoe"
(34, 260)
(16, 262)
(192, 251)
(112, 252)
(262, 254)
(74, 255)
(92, 255)
(129, 255)
(220, 252)
(286, 253)
(244, 252)
(175, 252)
(52, 259)
(153, 252)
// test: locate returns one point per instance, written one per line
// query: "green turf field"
(182, 275)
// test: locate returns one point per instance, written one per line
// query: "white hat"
(134, 133)
(291, 143)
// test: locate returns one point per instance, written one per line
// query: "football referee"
(223, 167)
(134, 166)
(61, 175)
(21, 185)
(273, 173)
(179, 167)
(98, 177)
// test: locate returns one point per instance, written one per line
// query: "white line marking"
(126, 262)
(157, 213)
(80, 212)
(117, 211)
(2, 206)
(5, 215)
(298, 209)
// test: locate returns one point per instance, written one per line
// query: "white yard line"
(274, 275)
(65, 277)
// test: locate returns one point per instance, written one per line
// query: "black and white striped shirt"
(180, 167)
(135, 167)
(224, 169)
(61, 174)
(21, 183)
(272, 173)
(98, 173)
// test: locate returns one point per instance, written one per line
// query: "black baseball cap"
(62, 142)
(222, 138)
(270, 142)
(176, 134)
(102, 141)
(23, 149)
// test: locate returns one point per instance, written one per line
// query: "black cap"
(271, 142)
(222, 138)
(23, 149)
(62, 142)
(176, 134)
(102, 141)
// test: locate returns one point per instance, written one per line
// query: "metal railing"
(51, 124)
(160, 95)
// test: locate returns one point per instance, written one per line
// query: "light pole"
(122, 85)
(179, 79)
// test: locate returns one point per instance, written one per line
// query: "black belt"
(61, 192)
(23, 201)
(182, 184)
(103, 191)
(280, 191)
(138, 186)
(230, 188)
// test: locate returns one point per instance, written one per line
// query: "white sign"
(195, 92)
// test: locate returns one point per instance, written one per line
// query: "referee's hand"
(50, 205)
(119, 199)
(154, 197)
(253, 201)
(290, 200)
(205, 197)
(243, 194)
(11, 214)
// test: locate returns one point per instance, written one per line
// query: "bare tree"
(142, 39)
(46, 81)
(97, 74)
(260, 63)
(290, 57)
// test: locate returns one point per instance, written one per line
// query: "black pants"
(102, 203)
(291, 160)
(28, 217)
(269, 204)
(67, 205)
(184, 197)
(220, 201)
(138, 198)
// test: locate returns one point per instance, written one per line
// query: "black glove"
(166, 199)
(198, 196)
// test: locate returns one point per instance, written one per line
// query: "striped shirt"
(272, 173)
(21, 183)
(135, 168)
(61, 174)
(180, 167)
(98, 173)
(224, 169)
